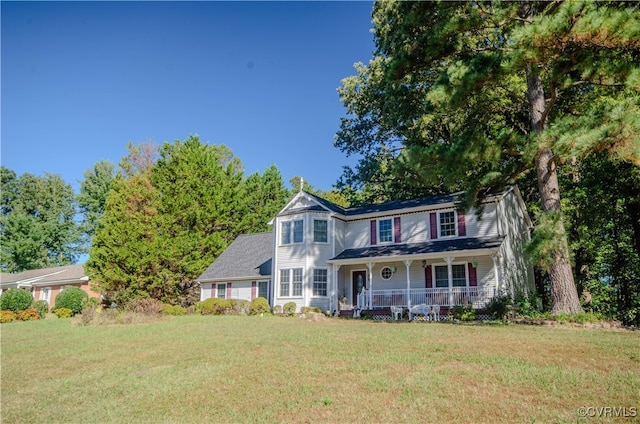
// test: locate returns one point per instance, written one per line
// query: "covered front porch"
(375, 280)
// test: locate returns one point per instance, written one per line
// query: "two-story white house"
(404, 253)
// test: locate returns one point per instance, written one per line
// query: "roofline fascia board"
(416, 257)
(58, 282)
(230, 279)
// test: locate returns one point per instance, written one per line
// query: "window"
(284, 282)
(291, 285)
(319, 282)
(45, 294)
(263, 289)
(287, 232)
(459, 275)
(447, 224)
(297, 282)
(221, 291)
(386, 273)
(320, 231)
(442, 276)
(297, 231)
(385, 230)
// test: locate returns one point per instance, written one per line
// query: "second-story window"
(320, 231)
(447, 224)
(385, 230)
(292, 232)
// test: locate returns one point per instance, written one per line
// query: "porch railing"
(477, 297)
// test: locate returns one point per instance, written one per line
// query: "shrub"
(277, 309)
(463, 313)
(259, 305)
(7, 316)
(147, 306)
(90, 303)
(15, 300)
(212, 306)
(289, 308)
(42, 307)
(175, 310)
(239, 306)
(71, 298)
(217, 306)
(28, 315)
(63, 312)
(307, 309)
(499, 306)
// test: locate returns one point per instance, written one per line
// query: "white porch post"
(449, 261)
(408, 264)
(496, 273)
(370, 266)
(333, 300)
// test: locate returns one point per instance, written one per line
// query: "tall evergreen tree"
(474, 95)
(165, 224)
(263, 196)
(93, 195)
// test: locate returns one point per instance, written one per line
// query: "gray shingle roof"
(420, 248)
(383, 207)
(248, 256)
(46, 275)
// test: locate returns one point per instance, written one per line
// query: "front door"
(359, 281)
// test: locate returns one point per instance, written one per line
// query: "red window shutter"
(228, 295)
(462, 228)
(427, 277)
(397, 237)
(434, 225)
(253, 290)
(473, 277)
(374, 232)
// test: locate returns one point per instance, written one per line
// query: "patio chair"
(396, 312)
(434, 313)
(417, 310)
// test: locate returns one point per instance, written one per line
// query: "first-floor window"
(442, 276)
(291, 282)
(284, 282)
(221, 290)
(459, 274)
(297, 282)
(319, 282)
(45, 293)
(263, 289)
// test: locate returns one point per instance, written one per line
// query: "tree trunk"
(564, 294)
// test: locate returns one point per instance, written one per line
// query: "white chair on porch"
(396, 312)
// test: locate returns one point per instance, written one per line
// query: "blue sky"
(82, 79)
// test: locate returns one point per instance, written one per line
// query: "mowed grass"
(220, 369)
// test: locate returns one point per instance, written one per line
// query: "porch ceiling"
(419, 249)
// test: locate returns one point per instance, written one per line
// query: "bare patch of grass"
(196, 369)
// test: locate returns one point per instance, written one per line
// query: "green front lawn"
(196, 369)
